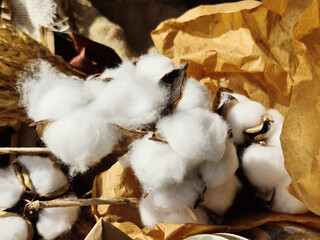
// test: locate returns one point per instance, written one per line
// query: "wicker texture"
(16, 51)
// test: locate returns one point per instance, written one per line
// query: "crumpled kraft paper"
(269, 51)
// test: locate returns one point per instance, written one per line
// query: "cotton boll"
(155, 164)
(81, 139)
(263, 165)
(181, 195)
(45, 177)
(13, 227)
(195, 95)
(61, 100)
(183, 216)
(273, 135)
(49, 94)
(244, 115)
(195, 134)
(283, 202)
(52, 222)
(131, 102)
(10, 188)
(94, 88)
(153, 66)
(126, 68)
(215, 174)
(219, 199)
(150, 215)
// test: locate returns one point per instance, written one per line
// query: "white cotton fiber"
(263, 165)
(126, 68)
(219, 199)
(52, 222)
(131, 101)
(13, 227)
(50, 94)
(264, 168)
(195, 95)
(10, 188)
(183, 215)
(153, 66)
(150, 215)
(45, 177)
(195, 134)
(93, 88)
(217, 173)
(175, 196)
(81, 139)
(283, 202)
(242, 116)
(155, 164)
(273, 135)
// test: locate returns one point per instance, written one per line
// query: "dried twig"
(34, 205)
(24, 150)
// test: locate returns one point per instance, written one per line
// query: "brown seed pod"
(258, 133)
(225, 101)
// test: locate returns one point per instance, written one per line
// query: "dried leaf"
(174, 81)
(41, 126)
(225, 101)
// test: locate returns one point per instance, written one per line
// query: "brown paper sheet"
(269, 51)
(103, 230)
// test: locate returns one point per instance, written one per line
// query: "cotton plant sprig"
(79, 121)
(259, 129)
(32, 178)
(187, 167)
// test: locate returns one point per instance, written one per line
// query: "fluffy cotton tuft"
(131, 101)
(49, 94)
(264, 168)
(283, 202)
(273, 135)
(10, 188)
(195, 134)
(52, 222)
(219, 199)
(126, 68)
(155, 164)
(243, 115)
(13, 227)
(195, 95)
(94, 88)
(198, 216)
(263, 165)
(81, 139)
(151, 214)
(215, 174)
(45, 177)
(176, 196)
(153, 66)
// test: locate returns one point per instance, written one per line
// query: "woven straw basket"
(16, 51)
